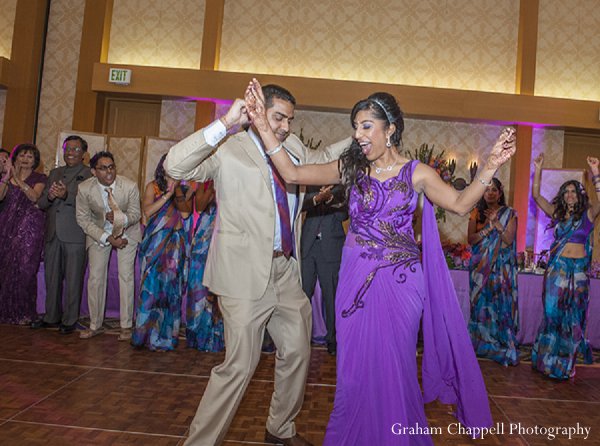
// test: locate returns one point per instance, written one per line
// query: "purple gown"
(21, 243)
(382, 297)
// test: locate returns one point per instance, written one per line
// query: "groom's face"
(280, 116)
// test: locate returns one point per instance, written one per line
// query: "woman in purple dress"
(21, 235)
(386, 289)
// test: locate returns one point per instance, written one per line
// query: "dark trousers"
(314, 267)
(63, 261)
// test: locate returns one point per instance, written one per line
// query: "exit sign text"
(120, 76)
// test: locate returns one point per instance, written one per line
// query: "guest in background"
(64, 251)
(493, 277)
(321, 248)
(21, 234)
(108, 211)
(566, 281)
(204, 329)
(162, 261)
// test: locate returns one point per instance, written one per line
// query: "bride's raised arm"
(427, 180)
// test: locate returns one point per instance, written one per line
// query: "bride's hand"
(503, 150)
(255, 103)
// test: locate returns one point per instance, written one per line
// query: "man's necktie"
(118, 215)
(281, 199)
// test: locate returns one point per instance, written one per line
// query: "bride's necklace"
(378, 170)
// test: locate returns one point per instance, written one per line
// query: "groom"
(252, 265)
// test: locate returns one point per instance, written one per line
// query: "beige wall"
(60, 75)
(568, 54)
(157, 32)
(7, 21)
(462, 44)
(177, 119)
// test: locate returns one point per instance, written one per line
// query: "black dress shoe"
(296, 440)
(41, 323)
(66, 329)
(332, 349)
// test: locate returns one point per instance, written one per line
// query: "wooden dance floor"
(60, 390)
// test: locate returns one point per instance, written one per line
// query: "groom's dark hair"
(272, 91)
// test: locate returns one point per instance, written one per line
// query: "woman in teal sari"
(566, 282)
(204, 329)
(162, 259)
(493, 277)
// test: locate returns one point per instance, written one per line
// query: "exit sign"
(120, 76)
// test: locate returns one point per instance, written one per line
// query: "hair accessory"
(387, 114)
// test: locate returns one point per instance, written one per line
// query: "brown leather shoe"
(296, 440)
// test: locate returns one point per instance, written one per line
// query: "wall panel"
(460, 44)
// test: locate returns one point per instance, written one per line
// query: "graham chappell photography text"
(574, 432)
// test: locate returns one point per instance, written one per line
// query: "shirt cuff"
(215, 132)
(104, 238)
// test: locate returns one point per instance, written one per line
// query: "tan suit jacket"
(91, 214)
(241, 249)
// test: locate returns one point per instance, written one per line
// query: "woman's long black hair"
(160, 175)
(560, 205)
(482, 204)
(352, 162)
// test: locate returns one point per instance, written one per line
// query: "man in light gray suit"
(249, 266)
(108, 211)
(64, 252)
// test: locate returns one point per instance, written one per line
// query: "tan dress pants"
(285, 310)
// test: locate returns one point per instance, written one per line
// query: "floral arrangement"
(457, 255)
(428, 155)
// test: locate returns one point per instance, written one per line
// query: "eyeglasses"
(106, 168)
(73, 149)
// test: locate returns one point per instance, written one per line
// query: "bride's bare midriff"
(574, 251)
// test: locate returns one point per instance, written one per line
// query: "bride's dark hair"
(384, 107)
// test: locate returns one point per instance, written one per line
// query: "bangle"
(489, 183)
(482, 233)
(164, 197)
(274, 150)
(315, 200)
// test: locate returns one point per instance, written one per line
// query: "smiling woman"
(21, 235)
(381, 262)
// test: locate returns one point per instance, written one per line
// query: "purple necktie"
(284, 212)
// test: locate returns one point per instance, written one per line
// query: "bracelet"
(482, 233)
(164, 197)
(489, 183)
(315, 200)
(274, 150)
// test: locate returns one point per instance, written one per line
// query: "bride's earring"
(388, 144)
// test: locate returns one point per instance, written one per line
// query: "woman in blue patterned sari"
(566, 283)
(204, 330)
(493, 277)
(162, 260)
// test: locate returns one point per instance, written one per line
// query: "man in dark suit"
(321, 248)
(64, 257)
